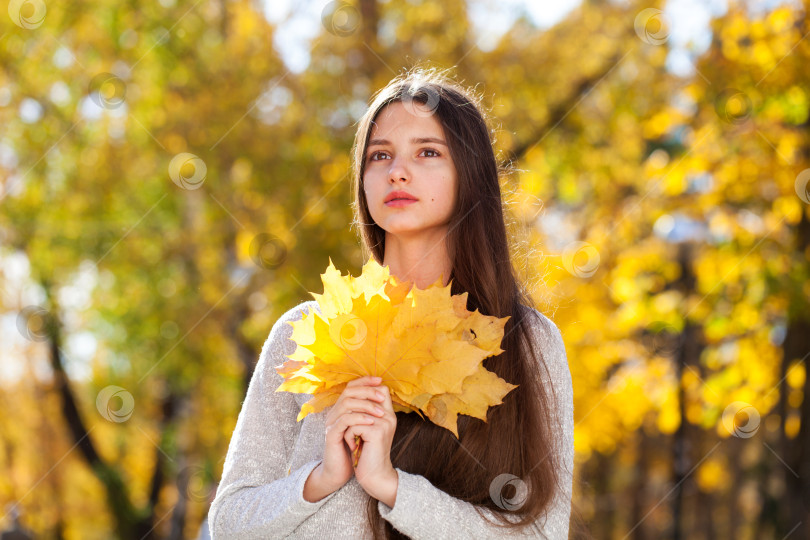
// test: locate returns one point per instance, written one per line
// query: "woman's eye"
(380, 155)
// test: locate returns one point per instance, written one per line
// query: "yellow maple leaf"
(424, 343)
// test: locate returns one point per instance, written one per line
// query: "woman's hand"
(355, 407)
(374, 470)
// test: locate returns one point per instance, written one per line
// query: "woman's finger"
(371, 392)
(386, 402)
(366, 380)
(363, 405)
(335, 431)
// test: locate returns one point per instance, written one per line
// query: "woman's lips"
(400, 202)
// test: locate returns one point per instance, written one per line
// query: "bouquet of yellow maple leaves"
(425, 344)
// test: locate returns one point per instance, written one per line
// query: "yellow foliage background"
(660, 217)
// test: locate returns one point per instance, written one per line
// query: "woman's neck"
(421, 260)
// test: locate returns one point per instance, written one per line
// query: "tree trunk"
(797, 452)
(639, 489)
(131, 522)
(705, 510)
(604, 514)
(687, 354)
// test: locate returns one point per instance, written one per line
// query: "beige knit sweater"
(271, 455)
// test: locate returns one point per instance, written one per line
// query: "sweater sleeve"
(257, 497)
(423, 511)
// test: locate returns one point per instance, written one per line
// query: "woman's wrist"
(315, 488)
(388, 489)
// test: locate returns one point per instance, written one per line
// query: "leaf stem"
(358, 442)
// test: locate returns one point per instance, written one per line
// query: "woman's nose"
(398, 171)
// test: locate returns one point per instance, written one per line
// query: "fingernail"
(379, 410)
(376, 379)
(379, 395)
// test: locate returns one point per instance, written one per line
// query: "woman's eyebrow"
(415, 140)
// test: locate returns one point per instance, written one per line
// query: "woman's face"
(408, 152)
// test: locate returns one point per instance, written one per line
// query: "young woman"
(427, 202)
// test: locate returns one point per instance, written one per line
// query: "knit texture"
(271, 455)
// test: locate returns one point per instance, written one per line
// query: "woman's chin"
(404, 232)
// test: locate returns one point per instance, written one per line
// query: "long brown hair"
(519, 435)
